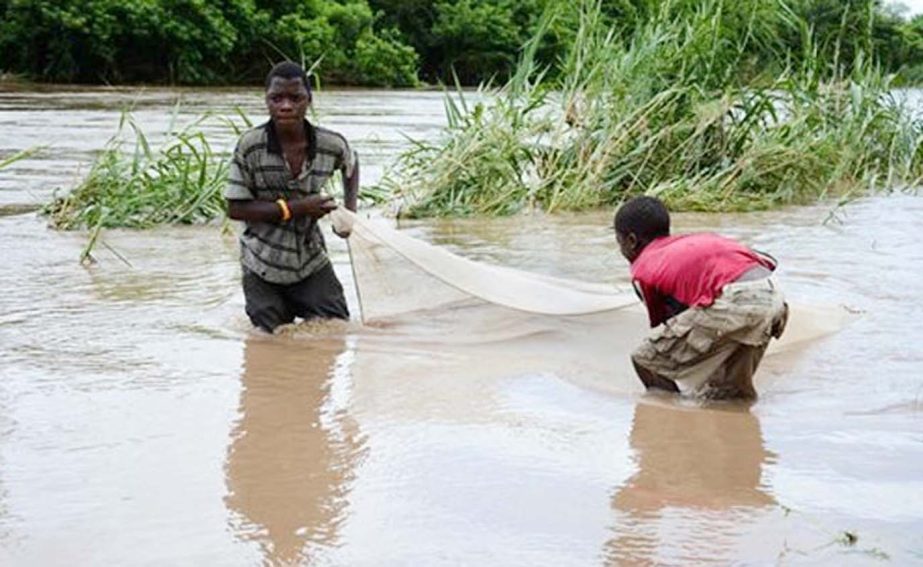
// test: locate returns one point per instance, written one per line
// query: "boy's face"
(628, 245)
(287, 100)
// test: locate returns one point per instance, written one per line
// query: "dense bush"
(383, 60)
(197, 41)
(181, 41)
(398, 42)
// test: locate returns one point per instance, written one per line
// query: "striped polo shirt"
(284, 252)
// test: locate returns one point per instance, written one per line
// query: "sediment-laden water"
(143, 422)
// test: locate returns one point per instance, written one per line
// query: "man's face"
(287, 100)
(628, 245)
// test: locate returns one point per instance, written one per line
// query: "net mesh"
(403, 280)
(397, 275)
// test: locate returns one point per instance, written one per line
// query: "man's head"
(639, 221)
(288, 93)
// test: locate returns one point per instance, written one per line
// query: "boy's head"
(288, 92)
(288, 70)
(639, 221)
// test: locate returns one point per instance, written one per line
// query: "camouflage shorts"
(712, 352)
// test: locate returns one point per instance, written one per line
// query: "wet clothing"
(712, 352)
(673, 273)
(284, 252)
(286, 270)
(270, 305)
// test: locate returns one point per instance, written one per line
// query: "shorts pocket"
(684, 341)
(702, 339)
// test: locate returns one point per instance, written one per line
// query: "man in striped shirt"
(274, 186)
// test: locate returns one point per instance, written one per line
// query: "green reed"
(132, 184)
(679, 110)
(21, 155)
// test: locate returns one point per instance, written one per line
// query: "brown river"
(142, 421)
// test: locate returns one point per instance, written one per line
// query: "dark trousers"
(269, 305)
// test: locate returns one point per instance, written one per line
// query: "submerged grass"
(677, 111)
(134, 185)
(21, 155)
(18, 208)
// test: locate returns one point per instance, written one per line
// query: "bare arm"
(314, 206)
(351, 187)
(243, 204)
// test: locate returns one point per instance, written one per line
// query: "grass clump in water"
(21, 155)
(680, 109)
(134, 185)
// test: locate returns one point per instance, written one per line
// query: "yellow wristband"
(286, 212)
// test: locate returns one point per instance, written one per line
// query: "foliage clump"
(382, 42)
(682, 109)
(196, 42)
(133, 185)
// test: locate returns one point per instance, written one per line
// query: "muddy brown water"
(142, 422)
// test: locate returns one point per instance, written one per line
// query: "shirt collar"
(273, 145)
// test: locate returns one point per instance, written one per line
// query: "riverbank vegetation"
(705, 104)
(389, 42)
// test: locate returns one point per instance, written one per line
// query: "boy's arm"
(252, 210)
(351, 184)
(349, 171)
(654, 301)
(243, 204)
(240, 179)
(766, 259)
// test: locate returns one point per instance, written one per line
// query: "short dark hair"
(288, 70)
(646, 217)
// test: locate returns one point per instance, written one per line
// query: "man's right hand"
(315, 206)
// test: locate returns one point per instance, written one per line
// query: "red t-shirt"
(689, 269)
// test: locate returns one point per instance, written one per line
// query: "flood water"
(142, 421)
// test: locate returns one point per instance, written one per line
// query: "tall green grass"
(20, 155)
(132, 184)
(681, 110)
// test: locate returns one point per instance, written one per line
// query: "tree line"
(396, 43)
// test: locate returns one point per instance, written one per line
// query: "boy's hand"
(315, 206)
(342, 223)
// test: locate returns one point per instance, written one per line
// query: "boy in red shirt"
(712, 304)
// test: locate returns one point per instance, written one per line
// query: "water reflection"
(691, 462)
(294, 449)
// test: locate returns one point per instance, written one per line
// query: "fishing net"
(401, 279)
(397, 274)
